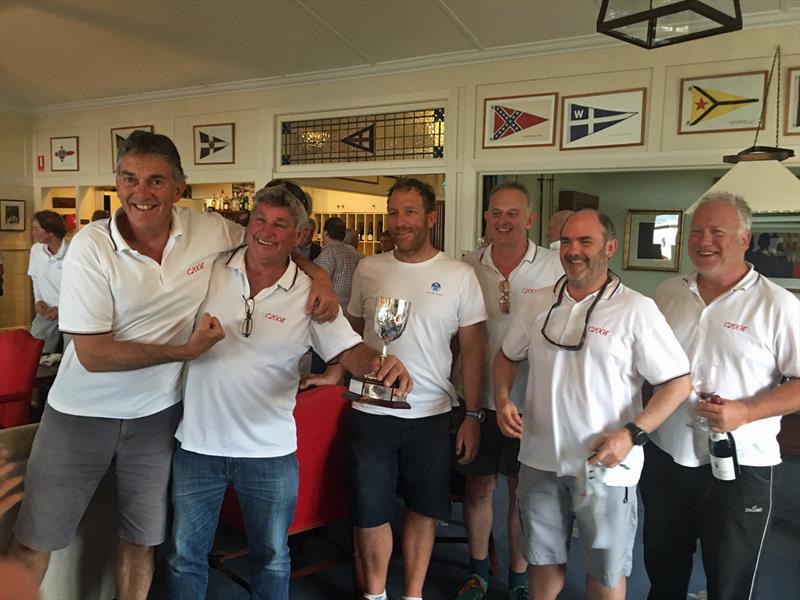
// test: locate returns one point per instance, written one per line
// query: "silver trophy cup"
(391, 317)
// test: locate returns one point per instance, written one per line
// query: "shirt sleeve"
(329, 340)
(86, 304)
(787, 339)
(33, 272)
(355, 308)
(472, 308)
(659, 355)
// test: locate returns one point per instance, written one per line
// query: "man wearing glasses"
(130, 292)
(237, 425)
(413, 444)
(728, 316)
(591, 343)
(509, 270)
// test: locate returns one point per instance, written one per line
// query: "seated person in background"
(387, 243)
(44, 268)
(237, 422)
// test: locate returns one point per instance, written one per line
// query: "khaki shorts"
(545, 503)
(69, 458)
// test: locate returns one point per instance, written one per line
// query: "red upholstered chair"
(322, 437)
(19, 359)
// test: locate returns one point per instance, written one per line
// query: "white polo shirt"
(110, 287)
(239, 396)
(753, 333)
(574, 396)
(445, 296)
(539, 268)
(44, 270)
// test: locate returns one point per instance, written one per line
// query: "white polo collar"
(745, 282)
(176, 229)
(530, 254)
(236, 261)
(610, 290)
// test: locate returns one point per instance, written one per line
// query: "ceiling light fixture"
(655, 23)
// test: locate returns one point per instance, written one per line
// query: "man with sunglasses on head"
(509, 270)
(591, 343)
(131, 289)
(237, 426)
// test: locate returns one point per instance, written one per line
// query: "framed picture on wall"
(64, 154)
(652, 240)
(520, 121)
(12, 215)
(118, 137)
(716, 103)
(603, 119)
(792, 118)
(775, 248)
(214, 144)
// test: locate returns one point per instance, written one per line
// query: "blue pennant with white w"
(586, 120)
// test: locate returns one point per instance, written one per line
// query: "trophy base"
(372, 391)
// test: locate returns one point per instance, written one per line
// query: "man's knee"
(481, 488)
(34, 561)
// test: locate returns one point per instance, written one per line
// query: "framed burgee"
(519, 121)
(652, 240)
(716, 103)
(64, 154)
(214, 144)
(12, 215)
(603, 119)
(118, 137)
(792, 118)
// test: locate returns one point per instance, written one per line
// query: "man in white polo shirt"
(590, 344)
(131, 288)
(728, 315)
(446, 300)
(509, 271)
(237, 425)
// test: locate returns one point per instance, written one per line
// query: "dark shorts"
(497, 454)
(69, 458)
(389, 453)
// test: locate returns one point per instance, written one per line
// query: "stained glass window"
(406, 135)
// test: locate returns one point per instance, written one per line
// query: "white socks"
(381, 596)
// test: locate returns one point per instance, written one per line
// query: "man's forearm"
(110, 355)
(358, 360)
(781, 400)
(665, 400)
(505, 371)
(308, 267)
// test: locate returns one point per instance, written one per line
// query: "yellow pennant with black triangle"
(708, 104)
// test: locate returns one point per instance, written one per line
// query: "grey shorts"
(545, 503)
(69, 458)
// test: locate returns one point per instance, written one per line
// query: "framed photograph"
(12, 215)
(603, 119)
(64, 154)
(716, 103)
(520, 121)
(652, 240)
(775, 248)
(119, 135)
(214, 144)
(792, 119)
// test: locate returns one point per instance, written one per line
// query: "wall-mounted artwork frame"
(775, 251)
(12, 215)
(215, 144)
(791, 120)
(64, 154)
(603, 119)
(652, 240)
(520, 121)
(118, 137)
(720, 103)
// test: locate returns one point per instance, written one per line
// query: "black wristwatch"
(639, 436)
(478, 415)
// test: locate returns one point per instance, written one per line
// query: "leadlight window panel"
(404, 135)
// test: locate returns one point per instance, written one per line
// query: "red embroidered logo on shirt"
(598, 330)
(734, 326)
(274, 317)
(195, 268)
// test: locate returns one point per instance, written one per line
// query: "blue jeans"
(267, 490)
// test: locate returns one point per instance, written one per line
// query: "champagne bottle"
(722, 451)
(369, 234)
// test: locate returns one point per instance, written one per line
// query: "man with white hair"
(728, 315)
